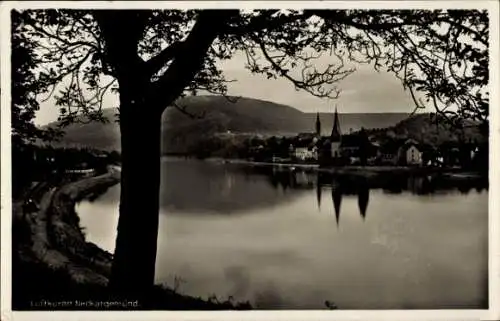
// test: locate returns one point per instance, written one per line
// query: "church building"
(331, 145)
(318, 126)
(313, 146)
(335, 137)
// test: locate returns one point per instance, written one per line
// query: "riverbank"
(52, 262)
(452, 172)
(48, 244)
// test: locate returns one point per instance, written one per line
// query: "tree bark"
(132, 273)
(141, 106)
(134, 260)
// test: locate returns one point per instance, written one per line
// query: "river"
(293, 240)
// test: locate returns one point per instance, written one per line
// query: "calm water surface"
(294, 240)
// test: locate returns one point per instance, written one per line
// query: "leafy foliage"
(25, 89)
(442, 54)
(66, 60)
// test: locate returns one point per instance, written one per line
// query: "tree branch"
(264, 22)
(121, 31)
(479, 36)
(154, 64)
(328, 77)
(60, 39)
(342, 18)
(184, 67)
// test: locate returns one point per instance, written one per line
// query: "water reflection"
(191, 186)
(363, 199)
(464, 189)
(358, 185)
(280, 244)
(337, 201)
(344, 186)
(319, 189)
(197, 186)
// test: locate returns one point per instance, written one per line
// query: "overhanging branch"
(184, 67)
(342, 18)
(316, 81)
(154, 64)
(265, 22)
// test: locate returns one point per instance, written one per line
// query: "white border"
(494, 236)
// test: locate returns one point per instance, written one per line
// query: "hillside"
(423, 128)
(246, 115)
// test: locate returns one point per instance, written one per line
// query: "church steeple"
(318, 125)
(336, 134)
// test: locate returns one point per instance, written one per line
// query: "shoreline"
(370, 170)
(53, 259)
(56, 238)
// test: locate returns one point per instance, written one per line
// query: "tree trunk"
(141, 105)
(134, 260)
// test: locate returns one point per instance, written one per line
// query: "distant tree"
(365, 146)
(272, 142)
(152, 57)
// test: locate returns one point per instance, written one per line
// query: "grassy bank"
(55, 268)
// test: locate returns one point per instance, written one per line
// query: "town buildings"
(363, 147)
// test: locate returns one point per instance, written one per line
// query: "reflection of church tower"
(274, 178)
(318, 194)
(318, 125)
(335, 136)
(337, 200)
(363, 198)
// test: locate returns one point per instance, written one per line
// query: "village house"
(388, 153)
(302, 153)
(306, 150)
(410, 153)
(400, 152)
(306, 145)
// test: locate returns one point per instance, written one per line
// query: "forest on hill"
(425, 129)
(215, 116)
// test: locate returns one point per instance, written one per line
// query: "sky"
(364, 91)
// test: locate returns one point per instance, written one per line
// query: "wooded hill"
(216, 115)
(425, 129)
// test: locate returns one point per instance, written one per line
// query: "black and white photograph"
(246, 155)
